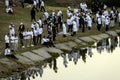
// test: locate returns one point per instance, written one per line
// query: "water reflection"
(108, 45)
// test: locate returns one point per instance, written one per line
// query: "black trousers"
(107, 27)
(6, 45)
(34, 40)
(99, 26)
(70, 28)
(42, 8)
(39, 37)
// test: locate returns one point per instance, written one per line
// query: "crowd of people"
(77, 19)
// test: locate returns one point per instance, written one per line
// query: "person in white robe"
(64, 29)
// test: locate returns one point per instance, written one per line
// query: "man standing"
(42, 5)
(33, 13)
(7, 40)
(22, 3)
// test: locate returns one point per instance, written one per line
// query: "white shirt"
(6, 39)
(39, 31)
(40, 22)
(7, 3)
(12, 39)
(7, 52)
(16, 39)
(42, 3)
(44, 40)
(69, 21)
(35, 33)
(99, 20)
(59, 13)
(64, 28)
(74, 26)
(107, 21)
(46, 15)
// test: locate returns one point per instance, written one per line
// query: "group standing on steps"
(78, 19)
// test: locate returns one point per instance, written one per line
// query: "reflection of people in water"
(70, 56)
(99, 47)
(75, 57)
(83, 52)
(40, 71)
(64, 60)
(50, 62)
(55, 65)
(114, 42)
(90, 53)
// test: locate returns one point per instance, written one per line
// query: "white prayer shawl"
(64, 29)
(74, 26)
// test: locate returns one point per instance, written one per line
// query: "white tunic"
(74, 26)
(64, 29)
(89, 21)
(7, 52)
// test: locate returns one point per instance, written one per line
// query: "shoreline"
(30, 58)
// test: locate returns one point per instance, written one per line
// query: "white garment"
(44, 40)
(99, 20)
(107, 21)
(42, 3)
(12, 39)
(69, 21)
(103, 20)
(64, 29)
(89, 21)
(39, 31)
(40, 22)
(59, 13)
(7, 52)
(46, 15)
(7, 3)
(105, 13)
(74, 26)
(119, 17)
(7, 39)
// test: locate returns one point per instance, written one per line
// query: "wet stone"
(103, 36)
(42, 53)
(52, 50)
(118, 31)
(96, 37)
(112, 33)
(86, 39)
(71, 44)
(63, 47)
(23, 59)
(78, 41)
(32, 56)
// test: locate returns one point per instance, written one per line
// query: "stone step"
(112, 33)
(24, 60)
(80, 42)
(63, 47)
(103, 36)
(52, 50)
(118, 31)
(96, 37)
(70, 44)
(32, 56)
(87, 39)
(42, 53)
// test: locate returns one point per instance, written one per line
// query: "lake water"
(99, 63)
